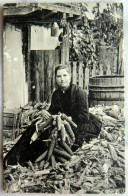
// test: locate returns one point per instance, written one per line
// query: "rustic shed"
(35, 41)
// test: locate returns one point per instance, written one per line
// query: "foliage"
(105, 29)
(110, 23)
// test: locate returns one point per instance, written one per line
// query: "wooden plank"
(42, 77)
(48, 74)
(70, 68)
(81, 74)
(74, 73)
(50, 14)
(120, 68)
(101, 70)
(41, 74)
(86, 78)
(45, 75)
(37, 76)
(37, 90)
(28, 64)
(94, 71)
(67, 44)
(63, 51)
(108, 72)
(55, 63)
(57, 57)
(22, 9)
(32, 93)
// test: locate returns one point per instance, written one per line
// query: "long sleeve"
(82, 106)
(54, 107)
(88, 125)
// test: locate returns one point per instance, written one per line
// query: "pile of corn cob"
(96, 167)
(99, 166)
(59, 142)
(27, 114)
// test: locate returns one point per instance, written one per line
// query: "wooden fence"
(80, 74)
(43, 65)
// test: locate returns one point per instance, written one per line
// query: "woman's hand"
(45, 114)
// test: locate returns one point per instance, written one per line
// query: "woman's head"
(63, 78)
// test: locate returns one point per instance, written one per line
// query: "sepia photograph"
(63, 98)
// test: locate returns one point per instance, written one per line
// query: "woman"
(69, 99)
(73, 101)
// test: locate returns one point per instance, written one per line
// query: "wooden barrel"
(106, 90)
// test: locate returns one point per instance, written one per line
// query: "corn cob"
(63, 133)
(69, 131)
(41, 157)
(52, 143)
(62, 153)
(46, 165)
(104, 143)
(113, 152)
(106, 135)
(53, 161)
(59, 122)
(66, 147)
(42, 163)
(61, 159)
(68, 141)
(51, 148)
(54, 121)
(64, 117)
(44, 124)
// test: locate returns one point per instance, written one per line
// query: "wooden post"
(28, 63)
(45, 75)
(42, 76)
(94, 70)
(101, 70)
(62, 51)
(65, 43)
(86, 78)
(120, 68)
(81, 74)
(47, 71)
(53, 72)
(49, 74)
(74, 73)
(37, 82)
(65, 50)
(108, 72)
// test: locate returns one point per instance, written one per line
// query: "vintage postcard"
(63, 107)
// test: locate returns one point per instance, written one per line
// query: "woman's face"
(63, 78)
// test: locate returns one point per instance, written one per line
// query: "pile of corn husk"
(27, 115)
(96, 167)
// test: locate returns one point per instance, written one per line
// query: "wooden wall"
(15, 87)
(108, 55)
(43, 63)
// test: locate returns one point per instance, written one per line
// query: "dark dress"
(74, 102)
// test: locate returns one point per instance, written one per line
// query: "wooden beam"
(74, 73)
(50, 14)
(30, 8)
(28, 64)
(61, 8)
(19, 10)
(81, 74)
(37, 17)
